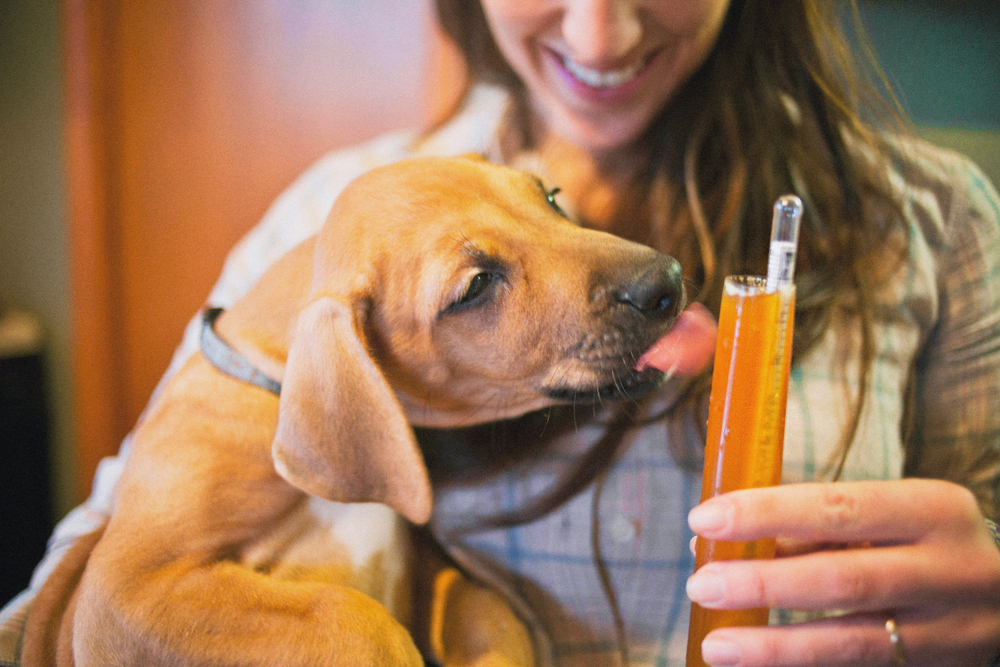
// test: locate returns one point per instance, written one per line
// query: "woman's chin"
(597, 135)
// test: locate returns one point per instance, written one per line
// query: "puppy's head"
(449, 292)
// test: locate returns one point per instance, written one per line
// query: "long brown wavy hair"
(776, 107)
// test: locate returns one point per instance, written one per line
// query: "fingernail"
(706, 588)
(709, 517)
(720, 652)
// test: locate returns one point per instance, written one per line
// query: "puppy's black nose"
(656, 289)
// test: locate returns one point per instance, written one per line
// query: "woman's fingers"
(848, 580)
(919, 531)
(939, 640)
(915, 549)
(850, 512)
(856, 640)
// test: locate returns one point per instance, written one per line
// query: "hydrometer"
(746, 416)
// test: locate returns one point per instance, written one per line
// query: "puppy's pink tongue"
(687, 348)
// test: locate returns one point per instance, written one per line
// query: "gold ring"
(897, 642)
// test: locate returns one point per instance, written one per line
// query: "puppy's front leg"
(164, 585)
(193, 613)
(462, 622)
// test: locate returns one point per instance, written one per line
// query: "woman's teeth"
(607, 79)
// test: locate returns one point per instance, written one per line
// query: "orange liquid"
(746, 425)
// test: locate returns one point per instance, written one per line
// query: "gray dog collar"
(227, 360)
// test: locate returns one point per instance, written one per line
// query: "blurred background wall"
(942, 57)
(33, 279)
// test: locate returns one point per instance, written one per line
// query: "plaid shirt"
(937, 326)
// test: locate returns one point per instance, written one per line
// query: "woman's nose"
(600, 32)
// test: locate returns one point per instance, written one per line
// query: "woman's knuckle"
(837, 509)
(966, 502)
(755, 587)
(848, 585)
(948, 496)
(770, 651)
(955, 507)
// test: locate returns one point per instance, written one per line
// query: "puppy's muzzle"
(632, 307)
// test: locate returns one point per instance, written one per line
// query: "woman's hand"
(914, 550)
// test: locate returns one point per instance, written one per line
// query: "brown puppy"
(253, 530)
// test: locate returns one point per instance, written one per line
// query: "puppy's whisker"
(598, 399)
(629, 395)
(619, 384)
(548, 418)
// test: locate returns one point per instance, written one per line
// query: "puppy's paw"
(472, 626)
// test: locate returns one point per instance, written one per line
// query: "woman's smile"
(602, 79)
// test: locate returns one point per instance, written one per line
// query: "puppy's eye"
(550, 195)
(476, 288)
(476, 291)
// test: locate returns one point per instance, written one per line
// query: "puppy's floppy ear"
(342, 434)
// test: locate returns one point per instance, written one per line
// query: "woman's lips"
(602, 85)
(603, 79)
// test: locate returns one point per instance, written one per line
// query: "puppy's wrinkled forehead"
(464, 188)
(419, 207)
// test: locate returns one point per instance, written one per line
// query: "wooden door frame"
(91, 107)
